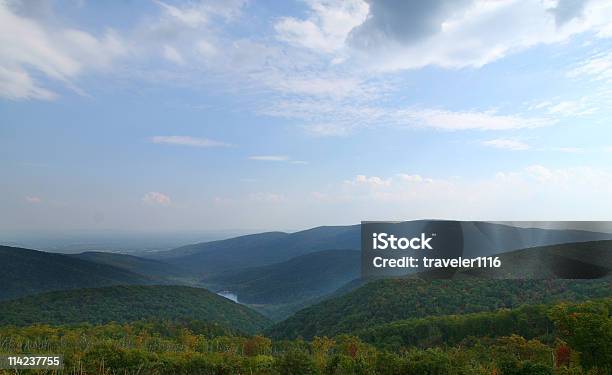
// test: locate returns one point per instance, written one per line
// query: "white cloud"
(539, 172)
(192, 16)
(35, 48)
(326, 27)
(313, 57)
(173, 55)
(451, 34)
(507, 144)
(269, 157)
(319, 86)
(598, 67)
(569, 108)
(470, 120)
(187, 141)
(29, 48)
(156, 198)
(17, 84)
(205, 48)
(413, 178)
(277, 158)
(338, 118)
(372, 181)
(536, 192)
(32, 199)
(457, 34)
(197, 14)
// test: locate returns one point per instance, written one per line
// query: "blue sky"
(167, 115)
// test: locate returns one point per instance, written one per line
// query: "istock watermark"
(442, 249)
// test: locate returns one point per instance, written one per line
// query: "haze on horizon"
(172, 116)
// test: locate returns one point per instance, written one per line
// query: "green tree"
(587, 328)
(295, 362)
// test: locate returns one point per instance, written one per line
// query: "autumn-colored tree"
(257, 345)
(321, 347)
(587, 328)
(562, 355)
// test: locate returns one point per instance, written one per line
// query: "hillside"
(130, 303)
(388, 300)
(143, 266)
(527, 321)
(544, 339)
(260, 249)
(25, 271)
(300, 278)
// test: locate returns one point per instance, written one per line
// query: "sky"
(156, 116)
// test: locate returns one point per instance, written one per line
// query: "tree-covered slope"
(130, 303)
(25, 271)
(527, 321)
(565, 338)
(384, 301)
(143, 266)
(300, 278)
(260, 249)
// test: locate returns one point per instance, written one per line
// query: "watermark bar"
(31, 361)
(446, 249)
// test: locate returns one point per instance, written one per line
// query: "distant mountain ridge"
(143, 266)
(25, 271)
(260, 249)
(480, 238)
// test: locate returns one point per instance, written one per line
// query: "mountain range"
(259, 249)
(315, 273)
(479, 238)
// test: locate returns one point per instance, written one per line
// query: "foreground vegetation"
(130, 303)
(389, 300)
(551, 339)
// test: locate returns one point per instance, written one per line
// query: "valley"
(304, 303)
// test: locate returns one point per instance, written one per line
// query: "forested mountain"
(143, 266)
(260, 249)
(388, 300)
(130, 303)
(303, 277)
(480, 238)
(25, 271)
